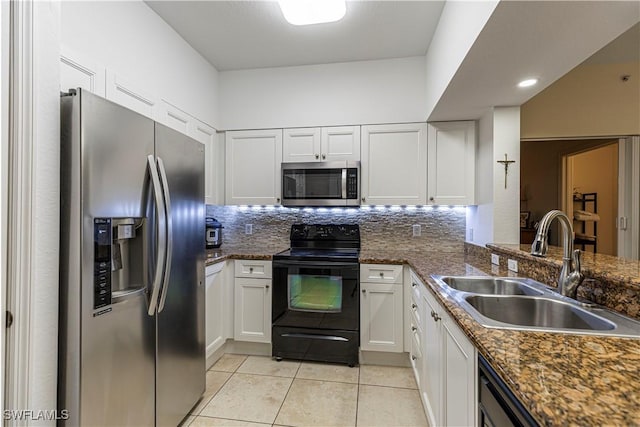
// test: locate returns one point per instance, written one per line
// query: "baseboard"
(384, 358)
(248, 348)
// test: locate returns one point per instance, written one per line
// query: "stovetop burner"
(337, 242)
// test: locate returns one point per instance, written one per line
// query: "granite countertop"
(561, 379)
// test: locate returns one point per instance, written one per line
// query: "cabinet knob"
(413, 357)
(435, 316)
(414, 284)
(278, 200)
(250, 269)
(414, 306)
(413, 328)
(317, 156)
(324, 157)
(381, 274)
(267, 287)
(364, 291)
(363, 200)
(431, 199)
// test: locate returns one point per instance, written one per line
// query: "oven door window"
(315, 293)
(312, 184)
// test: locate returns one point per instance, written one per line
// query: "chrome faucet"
(570, 275)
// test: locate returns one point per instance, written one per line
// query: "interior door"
(180, 346)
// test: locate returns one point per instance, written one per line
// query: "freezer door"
(106, 372)
(180, 357)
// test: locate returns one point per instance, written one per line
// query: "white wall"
(458, 27)
(133, 41)
(506, 202)
(365, 92)
(496, 217)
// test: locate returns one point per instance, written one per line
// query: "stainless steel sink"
(538, 312)
(524, 304)
(490, 285)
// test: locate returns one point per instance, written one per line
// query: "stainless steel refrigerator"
(131, 347)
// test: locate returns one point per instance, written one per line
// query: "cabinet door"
(130, 95)
(452, 148)
(173, 117)
(432, 354)
(78, 71)
(381, 317)
(394, 164)
(252, 320)
(212, 152)
(214, 300)
(252, 165)
(301, 145)
(340, 143)
(460, 376)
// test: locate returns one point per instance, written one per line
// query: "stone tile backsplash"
(381, 228)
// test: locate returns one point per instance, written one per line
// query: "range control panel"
(102, 262)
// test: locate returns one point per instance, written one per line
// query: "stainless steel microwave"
(321, 184)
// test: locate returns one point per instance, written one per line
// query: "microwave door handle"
(344, 183)
(162, 235)
(167, 201)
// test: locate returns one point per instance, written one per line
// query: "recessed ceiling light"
(307, 12)
(528, 83)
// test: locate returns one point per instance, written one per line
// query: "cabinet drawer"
(253, 268)
(380, 273)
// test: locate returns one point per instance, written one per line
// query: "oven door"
(316, 295)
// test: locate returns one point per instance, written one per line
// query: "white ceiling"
(533, 39)
(234, 35)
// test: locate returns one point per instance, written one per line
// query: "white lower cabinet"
(214, 307)
(381, 314)
(252, 304)
(447, 377)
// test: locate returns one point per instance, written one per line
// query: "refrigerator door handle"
(162, 235)
(167, 201)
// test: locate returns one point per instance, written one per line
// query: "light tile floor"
(258, 391)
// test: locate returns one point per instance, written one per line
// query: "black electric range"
(316, 300)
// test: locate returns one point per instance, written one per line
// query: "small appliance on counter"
(213, 235)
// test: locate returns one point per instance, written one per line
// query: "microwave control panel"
(101, 262)
(352, 183)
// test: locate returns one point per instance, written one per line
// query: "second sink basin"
(538, 313)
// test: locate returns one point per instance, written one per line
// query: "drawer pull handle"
(435, 316)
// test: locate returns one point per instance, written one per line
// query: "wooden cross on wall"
(506, 164)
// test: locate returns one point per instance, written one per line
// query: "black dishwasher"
(498, 406)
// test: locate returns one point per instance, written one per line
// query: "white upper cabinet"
(131, 95)
(252, 165)
(301, 145)
(394, 164)
(173, 117)
(340, 143)
(212, 152)
(79, 71)
(321, 144)
(452, 153)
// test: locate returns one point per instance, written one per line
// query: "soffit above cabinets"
(234, 35)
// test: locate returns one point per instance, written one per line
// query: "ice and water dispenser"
(119, 259)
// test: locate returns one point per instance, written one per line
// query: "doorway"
(591, 197)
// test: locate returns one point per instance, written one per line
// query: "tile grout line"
(287, 393)
(355, 424)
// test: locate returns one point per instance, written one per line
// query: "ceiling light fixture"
(307, 12)
(528, 83)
